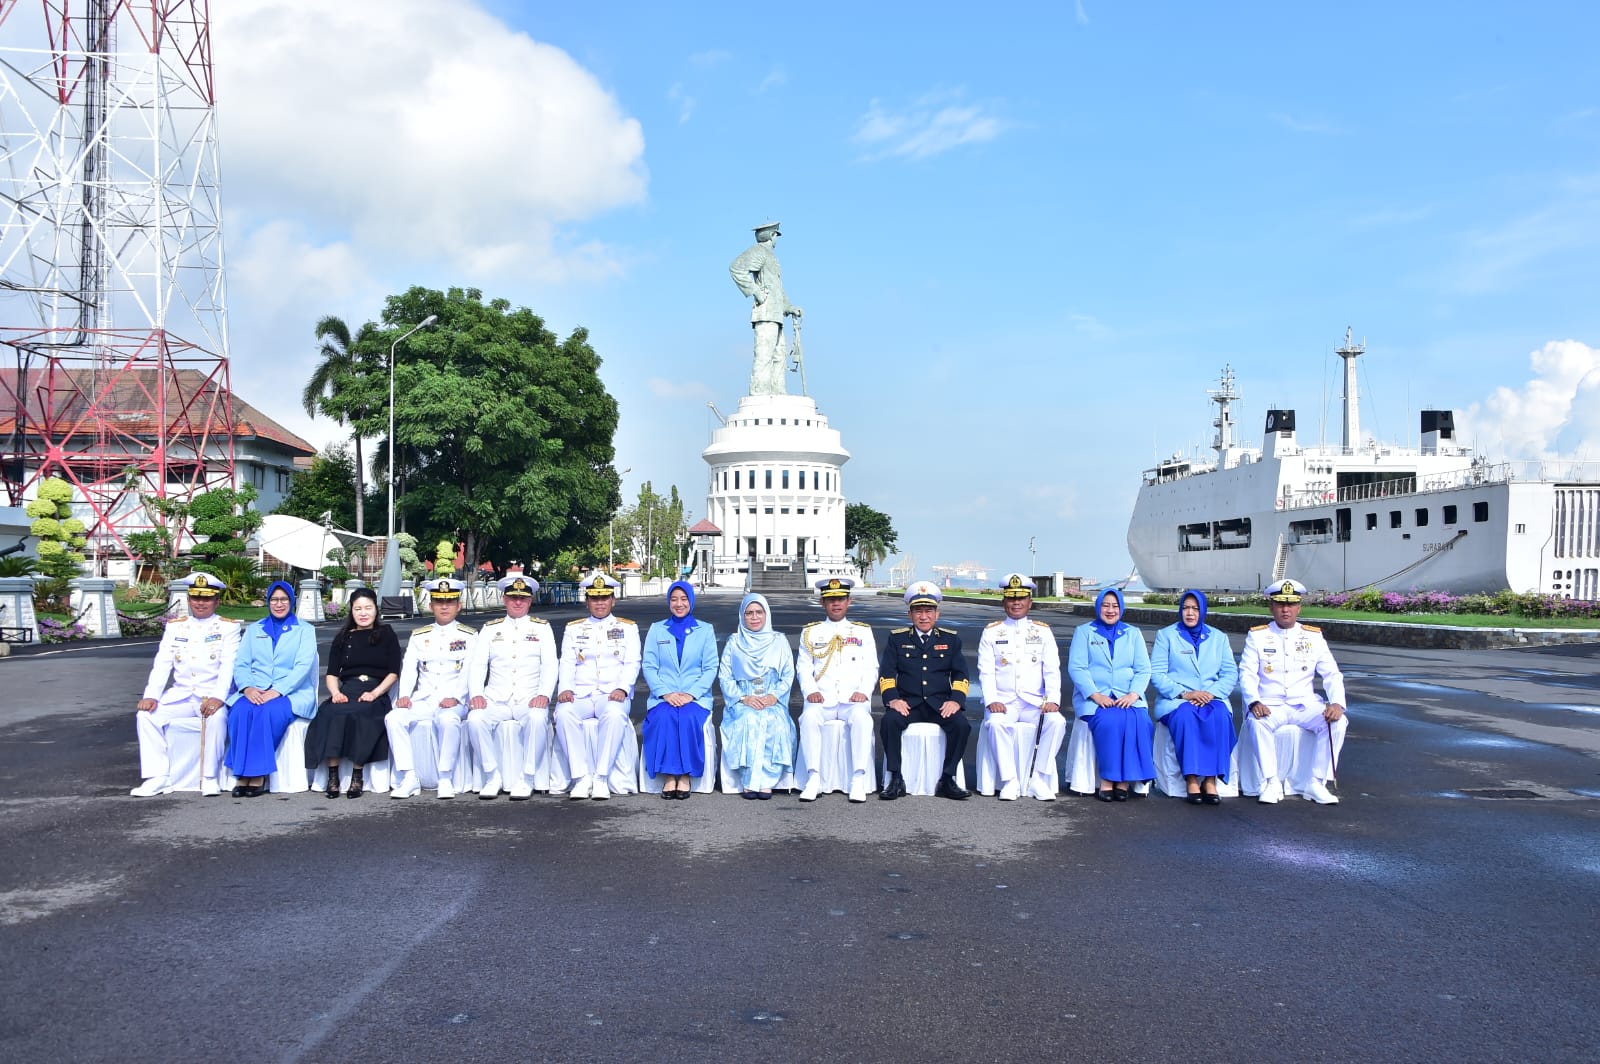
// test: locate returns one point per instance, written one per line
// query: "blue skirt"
(1203, 737)
(674, 739)
(254, 733)
(1123, 739)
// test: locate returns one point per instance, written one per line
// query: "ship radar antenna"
(1224, 396)
(1352, 403)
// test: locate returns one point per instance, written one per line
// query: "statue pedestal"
(177, 599)
(777, 496)
(308, 605)
(94, 604)
(16, 595)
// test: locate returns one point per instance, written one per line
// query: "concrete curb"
(1372, 633)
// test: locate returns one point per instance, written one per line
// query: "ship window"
(1422, 516)
(1341, 525)
(1522, 530)
(1372, 522)
(1480, 511)
(1449, 515)
(1394, 518)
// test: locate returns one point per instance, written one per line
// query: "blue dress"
(1203, 736)
(757, 744)
(1123, 738)
(674, 736)
(288, 666)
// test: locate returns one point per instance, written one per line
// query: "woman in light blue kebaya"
(1110, 669)
(275, 674)
(679, 663)
(758, 735)
(1194, 674)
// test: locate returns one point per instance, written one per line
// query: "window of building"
(784, 510)
(724, 480)
(785, 480)
(767, 510)
(750, 478)
(801, 511)
(735, 479)
(1372, 522)
(284, 480)
(769, 542)
(769, 477)
(802, 480)
(786, 546)
(1449, 515)
(1394, 518)
(1480, 511)
(1422, 516)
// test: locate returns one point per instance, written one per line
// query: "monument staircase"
(768, 580)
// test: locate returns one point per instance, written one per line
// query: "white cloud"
(928, 126)
(1502, 257)
(775, 78)
(420, 128)
(1304, 125)
(680, 96)
(710, 57)
(1079, 13)
(1556, 412)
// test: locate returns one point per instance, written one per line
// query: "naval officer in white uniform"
(432, 689)
(511, 677)
(1276, 673)
(838, 668)
(1019, 668)
(600, 659)
(196, 654)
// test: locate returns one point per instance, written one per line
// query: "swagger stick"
(799, 356)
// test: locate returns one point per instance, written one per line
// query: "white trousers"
(614, 725)
(1320, 764)
(857, 717)
(398, 722)
(1003, 738)
(155, 756)
(483, 723)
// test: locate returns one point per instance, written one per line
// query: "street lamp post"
(389, 582)
(1033, 550)
(611, 527)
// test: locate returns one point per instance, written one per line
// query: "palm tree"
(341, 361)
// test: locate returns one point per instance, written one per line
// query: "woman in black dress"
(363, 664)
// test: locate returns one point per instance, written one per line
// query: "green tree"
(870, 534)
(346, 387)
(504, 429)
(653, 529)
(61, 536)
(327, 487)
(224, 517)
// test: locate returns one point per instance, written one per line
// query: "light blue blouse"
(1095, 666)
(1176, 666)
(694, 675)
(291, 668)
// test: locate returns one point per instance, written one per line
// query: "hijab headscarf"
(270, 624)
(757, 653)
(679, 626)
(1197, 634)
(1110, 631)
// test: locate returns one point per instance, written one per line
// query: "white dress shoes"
(150, 788)
(209, 788)
(581, 789)
(858, 787)
(521, 790)
(601, 792)
(1041, 790)
(407, 786)
(490, 788)
(1271, 793)
(1011, 791)
(813, 787)
(447, 790)
(1318, 792)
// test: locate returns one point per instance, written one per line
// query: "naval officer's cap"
(1285, 590)
(835, 586)
(204, 585)
(1015, 585)
(599, 586)
(923, 593)
(764, 226)
(445, 589)
(518, 584)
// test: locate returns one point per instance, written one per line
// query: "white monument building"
(776, 493)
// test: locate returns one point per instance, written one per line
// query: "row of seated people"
(500, 709)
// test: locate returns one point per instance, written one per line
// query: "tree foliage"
(327, 487)
(503, 430)
(652, 531)
(61, 536)
(350, 385)
(224, 517)
(870, 534)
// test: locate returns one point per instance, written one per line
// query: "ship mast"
(1224, 397)
(1352, 403)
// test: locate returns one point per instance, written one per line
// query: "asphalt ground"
(1417, 920)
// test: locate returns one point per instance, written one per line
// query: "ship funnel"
(1280, 433)
(1438, 431)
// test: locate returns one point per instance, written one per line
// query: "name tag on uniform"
(458, 644)
(530, 638)
(215, 637)
(941, 646)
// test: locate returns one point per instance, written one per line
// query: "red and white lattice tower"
(113, 316)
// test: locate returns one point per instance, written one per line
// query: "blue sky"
(1026, 237)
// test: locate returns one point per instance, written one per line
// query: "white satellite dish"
(296, 541)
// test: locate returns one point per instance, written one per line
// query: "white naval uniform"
(513, 662)
(597, 657)
(197, 656)
(1019, 666)
(434, 668)
(837, 659)
(1277, 669)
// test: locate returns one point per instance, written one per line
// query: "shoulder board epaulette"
(944, 631)
(991, 624)
(497, 620)
(900, 631)
(467, 628)
(540, 620)
(1312, 628)
(1042, 624)
(229, 620)
(178, 620)
(625, 620)
(1261, 628)
(861, 624)
(813, 624)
